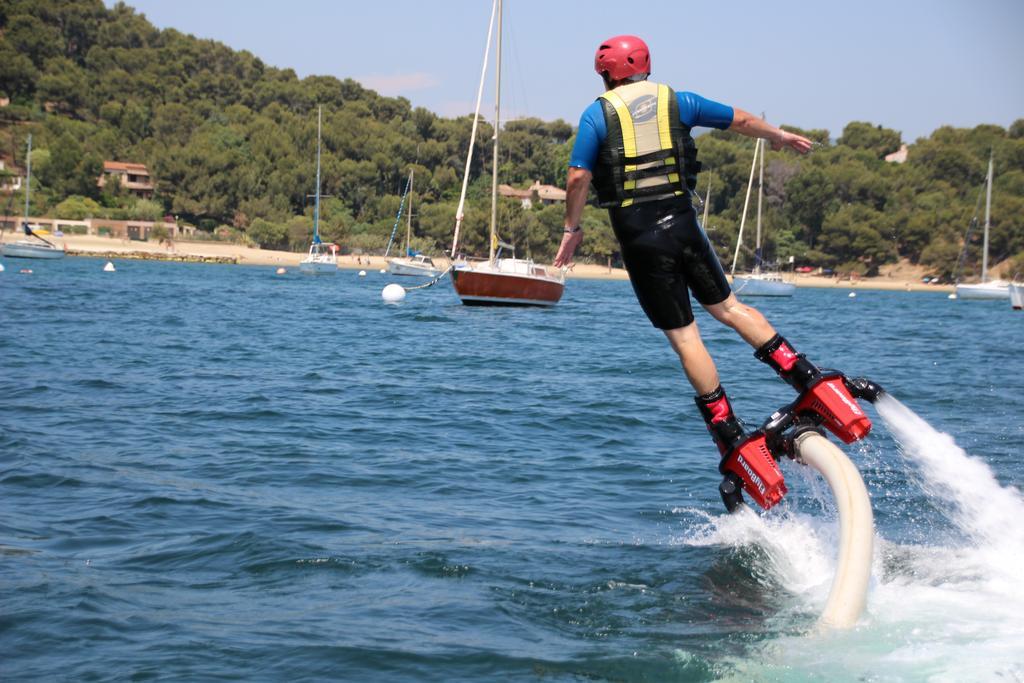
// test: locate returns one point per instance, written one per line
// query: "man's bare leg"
(746, 320)
(696, 360)
(711, 400)
(770, 347)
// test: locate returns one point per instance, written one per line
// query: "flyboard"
(795, 431)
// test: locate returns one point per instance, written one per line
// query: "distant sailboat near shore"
(757, 282)
(322, 256)
(413, 263)
(498, 281)
(39, 248)
(986, 289)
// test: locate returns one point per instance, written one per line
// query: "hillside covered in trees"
(230, 141)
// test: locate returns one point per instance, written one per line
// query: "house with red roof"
(133, 178)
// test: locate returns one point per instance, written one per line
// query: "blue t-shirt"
(694, 110)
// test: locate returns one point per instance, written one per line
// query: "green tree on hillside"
(877, 140)
(231, 142)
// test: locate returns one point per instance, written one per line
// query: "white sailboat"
(27, 248)
(413, 263)
(757, 282)
(499, 281)
(986, 289)
(322, 257)
(418, 265)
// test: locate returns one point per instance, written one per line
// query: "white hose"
(848, 596)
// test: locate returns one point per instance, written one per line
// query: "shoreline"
(899, 277)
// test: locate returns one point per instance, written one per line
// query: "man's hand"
(745, 123)
(570, 241)
(798, 143)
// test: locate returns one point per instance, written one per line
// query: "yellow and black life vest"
(648, 153)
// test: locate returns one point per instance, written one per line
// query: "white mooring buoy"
(393, 293)
(1, 267)
(109, 268)
(383, 272)
(281, 270)
(853, 295)
(952, 296)
(362, 273)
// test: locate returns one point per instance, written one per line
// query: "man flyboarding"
(634, 145)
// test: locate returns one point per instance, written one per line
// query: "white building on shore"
(100, 227)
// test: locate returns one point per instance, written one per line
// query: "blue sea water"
(218, 473)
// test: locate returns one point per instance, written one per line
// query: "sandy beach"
(896, 277)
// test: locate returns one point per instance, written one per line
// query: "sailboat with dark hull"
(507, 282)
(1016, 296)
(500, 280)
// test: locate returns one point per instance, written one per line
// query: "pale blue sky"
(908, 65)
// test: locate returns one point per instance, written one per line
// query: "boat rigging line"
(967, 235)
(398, 218)
(432, 282)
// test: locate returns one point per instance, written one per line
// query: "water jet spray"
(795, 431)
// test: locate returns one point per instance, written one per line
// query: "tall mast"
(497, 125)
(988, 212)
(746, 202)
(408, 224)
(760, 194)
(28, 175)
(316, 207)
(460, 212)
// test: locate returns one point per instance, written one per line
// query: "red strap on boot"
(719, 409)
(785, 357)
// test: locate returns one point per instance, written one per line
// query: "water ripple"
(265, 477)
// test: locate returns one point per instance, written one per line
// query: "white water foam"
(797, 548)
(952, 612)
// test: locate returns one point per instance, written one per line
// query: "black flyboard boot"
(793, 367)
(725, 427)
(746, 461)
(824, 394)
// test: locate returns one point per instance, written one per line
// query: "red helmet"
(621, 57)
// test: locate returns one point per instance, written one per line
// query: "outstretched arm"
(745, 123)
(576, 189)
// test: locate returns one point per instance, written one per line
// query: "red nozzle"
(753, 463)
(830, 400)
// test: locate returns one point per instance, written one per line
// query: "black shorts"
(667, 253)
